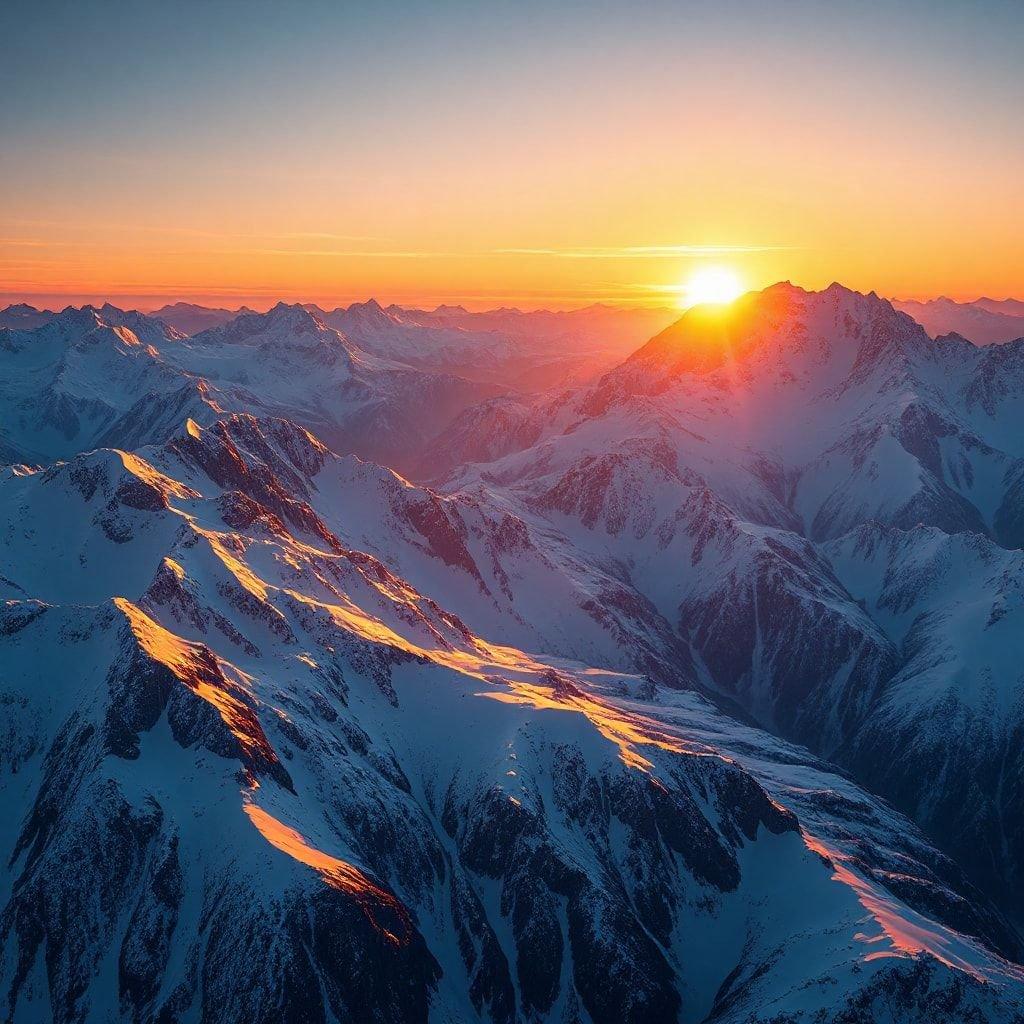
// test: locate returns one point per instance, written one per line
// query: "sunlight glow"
(710, 285)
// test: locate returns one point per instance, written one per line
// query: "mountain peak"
(368, 313)
(22, 317)
(774, 337)
(288, 309)
(79, 318)
(361, 319)
(283, 315)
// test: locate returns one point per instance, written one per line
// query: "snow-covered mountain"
(252, 774)
(984, 321)
(23, 317)
(287, 362)
(391, 334)
(810, 411)
(190, 318)
(91, 377)
(365, 380)
(527, 351)
(945, 739)
(104, 376)
(612, 327)
(286, 736)
(723, 468)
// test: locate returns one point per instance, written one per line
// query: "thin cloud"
(635, 252)
(641, 252)
(30, 243)
(153, 229)
(322, 234)
(412, 254)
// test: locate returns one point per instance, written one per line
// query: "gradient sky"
(536, 154)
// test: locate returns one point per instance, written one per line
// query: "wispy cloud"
(241, 238)
(411, 254)
(634, 252)
(30, 243)
(166, 229)
(641, 252)
(322, 234)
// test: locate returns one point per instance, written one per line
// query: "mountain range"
(984, 321)
(377, 664)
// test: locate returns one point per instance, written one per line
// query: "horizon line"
(149, 302)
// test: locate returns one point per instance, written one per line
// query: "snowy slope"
(90, 377)
(526, 351)
(954, 712)
(984, 322)
(284, 736)
(22, 317)
(287, 362)
(190, 318)
(838, 406)
(105, 376)
(255, 775)
(722, 467)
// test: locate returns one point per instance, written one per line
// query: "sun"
(710, 286)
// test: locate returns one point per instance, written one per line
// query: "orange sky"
(492, 159)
